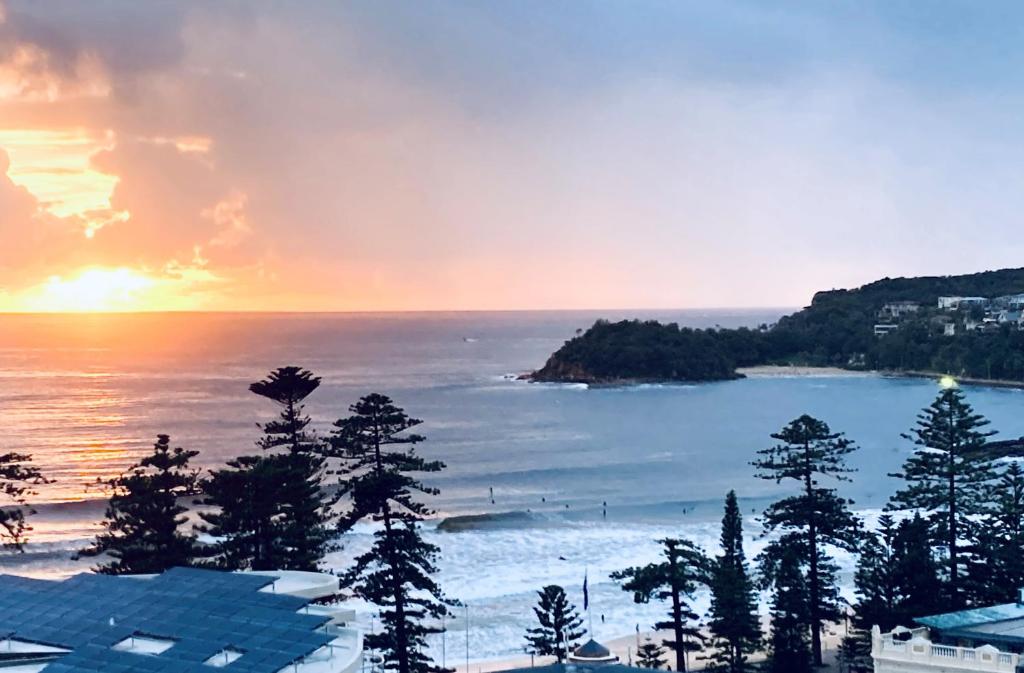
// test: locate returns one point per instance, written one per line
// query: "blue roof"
(202, 611)
(975, 617)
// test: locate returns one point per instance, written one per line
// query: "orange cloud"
(55, 166)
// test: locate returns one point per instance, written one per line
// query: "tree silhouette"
(949, 479)
(558, 624)
(378, 463)
(270, 510)
(999, 574)
(734, 624)
(789, 651)
(650, 654)
(675, 580)
(896, 580)
(812, 520)
(18, 480)
(142, 529)
(307, 523)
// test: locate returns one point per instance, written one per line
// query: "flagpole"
(586, 600)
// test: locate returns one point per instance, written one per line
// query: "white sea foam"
(497, 571)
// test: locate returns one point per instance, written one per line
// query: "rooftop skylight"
(224, 657)
(144, 644)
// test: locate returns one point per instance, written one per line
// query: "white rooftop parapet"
(919, 655)
(301, 583)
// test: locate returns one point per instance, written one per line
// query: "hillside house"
(954, 303)
(898, 309)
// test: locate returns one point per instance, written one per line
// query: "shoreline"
(960, 380)
(791, 371)
(796, 371)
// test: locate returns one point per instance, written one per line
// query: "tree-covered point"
(634, 350)
(837, 329)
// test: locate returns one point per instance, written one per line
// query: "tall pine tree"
(18, 479)
(307, 529)
(896, 580)
(379, 464)
(675, 579)
(1000, 573)
(734, 624)
(789, 651)
(876, 578)
(558, 624)
(142, 531)
(814, 519)
(247, 517)
(270, 511)
(949, 479)
(916, 572)
(875, 581)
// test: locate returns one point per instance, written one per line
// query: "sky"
(378, 155)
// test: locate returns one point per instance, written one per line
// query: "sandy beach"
(791, 371)
(768, 371)
(624, 648)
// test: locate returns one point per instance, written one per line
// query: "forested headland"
(894, 324)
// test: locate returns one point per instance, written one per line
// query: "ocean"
(595, 476)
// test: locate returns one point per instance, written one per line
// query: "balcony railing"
(914, 647)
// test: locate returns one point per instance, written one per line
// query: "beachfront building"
(983, 640)
(590, 657)
(591, 653)
(184, 620)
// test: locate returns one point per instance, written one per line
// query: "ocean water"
(598, 475)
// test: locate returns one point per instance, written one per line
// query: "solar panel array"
(202, 611)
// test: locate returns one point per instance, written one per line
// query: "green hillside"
(837, 329)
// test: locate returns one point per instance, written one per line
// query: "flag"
(586, 594)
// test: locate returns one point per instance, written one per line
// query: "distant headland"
(969, 326)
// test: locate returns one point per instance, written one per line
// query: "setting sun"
(93, 290)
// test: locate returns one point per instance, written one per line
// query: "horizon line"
(391, 311)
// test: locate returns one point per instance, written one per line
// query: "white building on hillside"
(953, 303)
(1010, 301)
(898, 309)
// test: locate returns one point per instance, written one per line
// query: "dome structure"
(592, 652)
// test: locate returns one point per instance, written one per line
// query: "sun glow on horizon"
(92, 290)
(117, 290)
